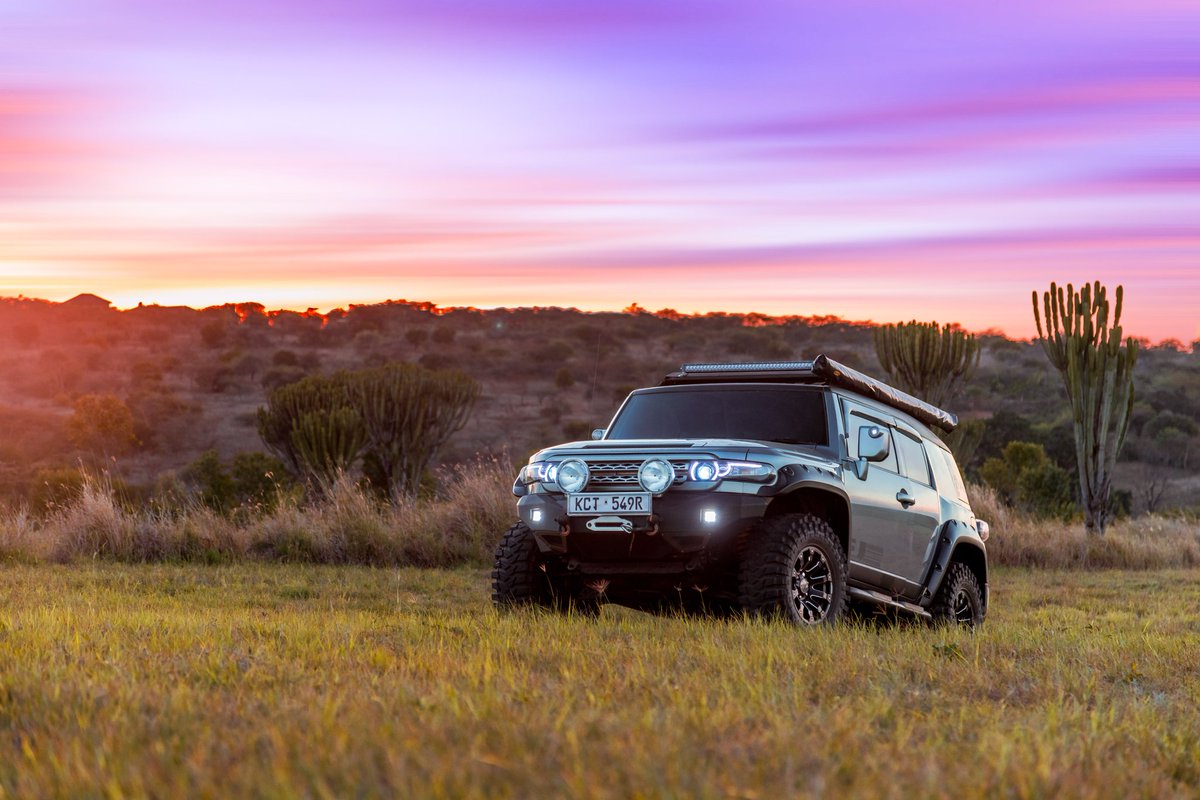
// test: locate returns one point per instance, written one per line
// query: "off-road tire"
(770, 569)
(518, 574)
(959, 600)
(520, 578)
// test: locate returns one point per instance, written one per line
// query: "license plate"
(583, 504)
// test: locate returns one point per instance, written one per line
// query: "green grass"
(332, 681)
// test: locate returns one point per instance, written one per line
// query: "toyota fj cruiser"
(786, 488)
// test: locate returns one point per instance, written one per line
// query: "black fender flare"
(954, 536)
(803, 478)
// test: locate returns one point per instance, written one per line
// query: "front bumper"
(675, 534)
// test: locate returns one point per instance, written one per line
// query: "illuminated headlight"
(656, 475)
(710, 471)
(572, 475)
(542, 472)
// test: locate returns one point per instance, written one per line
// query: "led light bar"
(821, 368)
(764, 366)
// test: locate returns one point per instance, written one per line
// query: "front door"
(880, 537)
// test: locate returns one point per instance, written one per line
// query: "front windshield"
(773, 414)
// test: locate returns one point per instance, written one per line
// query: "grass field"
(331, 681)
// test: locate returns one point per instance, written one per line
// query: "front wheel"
(518, 573)
(794, 567)
(959, 600)
(521, 577)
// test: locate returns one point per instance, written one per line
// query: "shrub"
(1026, 478)
(102, 424)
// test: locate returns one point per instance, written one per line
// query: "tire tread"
(767, 563)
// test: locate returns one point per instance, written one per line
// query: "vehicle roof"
(735, 385)
(823, 371)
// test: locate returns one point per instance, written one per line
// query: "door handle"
(905, 498)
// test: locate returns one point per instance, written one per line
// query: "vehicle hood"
(727, 448)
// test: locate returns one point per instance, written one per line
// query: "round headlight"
(572, 475)
(704, 471)
(656, 475)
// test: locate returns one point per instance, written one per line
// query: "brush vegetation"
(460, 524)
(301, 681)
(157, 388)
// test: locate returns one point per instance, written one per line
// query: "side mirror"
(873, 446)
(598, 433)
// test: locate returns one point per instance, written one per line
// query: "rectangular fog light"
(535, 515)
(710, 516)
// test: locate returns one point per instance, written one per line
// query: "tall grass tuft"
(349, 526)
(1149, 542)
(463, 522)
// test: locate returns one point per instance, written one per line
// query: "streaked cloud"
(870, 160)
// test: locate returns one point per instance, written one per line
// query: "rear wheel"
(959, 600)
(794, 567)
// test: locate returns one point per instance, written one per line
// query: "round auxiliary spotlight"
(572, 475)
(655, 475)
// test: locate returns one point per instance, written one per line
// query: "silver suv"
(790, 489)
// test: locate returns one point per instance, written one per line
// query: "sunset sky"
(885, 161)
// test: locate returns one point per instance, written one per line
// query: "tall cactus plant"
(408, 413)
(328, 443)
(927, 359)
(396, 417)
(1097, 372)
(313, 428)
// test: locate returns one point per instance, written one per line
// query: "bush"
(459, 525)
(254, 481)
(102, 424)
(1026, 478)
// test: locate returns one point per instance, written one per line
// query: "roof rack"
(821, 369)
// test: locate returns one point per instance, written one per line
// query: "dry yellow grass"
(463, 524)
(308, 681)
(1148, 542)
(459, 526)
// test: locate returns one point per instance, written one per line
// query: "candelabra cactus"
(312, 427)
(396, 417)
(926, 359)
(1097, 372)
(408, 413)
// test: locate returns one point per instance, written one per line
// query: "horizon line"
(763, 319)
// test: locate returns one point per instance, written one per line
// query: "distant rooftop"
(87, 301)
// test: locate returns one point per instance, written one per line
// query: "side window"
(857, 421)
(956, 477)
(949, 482)
(913, 456)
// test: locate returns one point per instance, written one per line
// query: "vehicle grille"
(624, 474)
